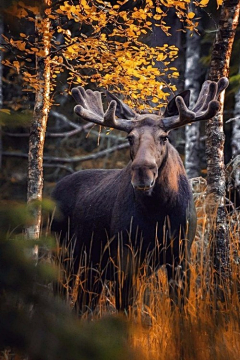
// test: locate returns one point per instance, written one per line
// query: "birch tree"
(192, 132)
(1, 95)
(220, 59)
(39, 122)
(235, 142)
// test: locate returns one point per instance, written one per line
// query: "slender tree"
(221, 54)
(39, 122)
(235, 141)
(192, 132)
(1, 95)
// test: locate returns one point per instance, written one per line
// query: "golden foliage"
(106, 47)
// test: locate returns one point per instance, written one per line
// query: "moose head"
(148, 133)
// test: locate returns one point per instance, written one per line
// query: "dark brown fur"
(102, 206)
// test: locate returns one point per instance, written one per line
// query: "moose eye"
(163, 139)
(130, 139)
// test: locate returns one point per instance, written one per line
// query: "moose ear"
(171, 108)
(123, 111)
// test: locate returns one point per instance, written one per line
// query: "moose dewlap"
(121, 220)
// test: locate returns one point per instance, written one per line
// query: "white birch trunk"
(1, 95)
(235, 141)
(38, 126)
(192, 132)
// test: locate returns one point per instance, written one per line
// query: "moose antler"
(205, 108)
(90, 109)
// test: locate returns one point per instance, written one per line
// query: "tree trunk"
(236, 143)
(38, 126)
(192, 132)
(1, 94)
(219, 67)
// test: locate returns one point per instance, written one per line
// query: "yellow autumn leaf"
(191, 15)
(204, 2)
(40, 53)
(16, 65)
(161, 57)
(219, 3)
(21, 45)
(158, 10)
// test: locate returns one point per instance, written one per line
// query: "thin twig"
(48, 134)
(66, 120)
(67, 134)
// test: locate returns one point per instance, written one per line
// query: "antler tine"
(89, 107)
(210, 106)
(111, 121)
(206, 107)
(222, 85)
(207, 93)
(123, 111)
(185, 116)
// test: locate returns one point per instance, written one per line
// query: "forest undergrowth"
(207, 325)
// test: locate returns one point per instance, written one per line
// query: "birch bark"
(219, 67)
(1, 95)
(192, 132)
(39, 123)
(235, 141)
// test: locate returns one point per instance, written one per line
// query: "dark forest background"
(71, 145)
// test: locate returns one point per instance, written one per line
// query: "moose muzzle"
(144, 176)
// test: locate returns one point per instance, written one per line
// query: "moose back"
(119, 220)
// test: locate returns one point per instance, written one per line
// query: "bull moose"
(144, 213)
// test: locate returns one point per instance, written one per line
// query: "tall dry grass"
(205, 327)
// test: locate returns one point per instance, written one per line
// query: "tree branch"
(71, 159)
(65, 167)
(66, 120)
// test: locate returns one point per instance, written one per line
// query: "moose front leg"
(86, 287)
(178, 272)
(126, 271)
(124, 292)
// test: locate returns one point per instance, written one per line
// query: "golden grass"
(205, 327)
